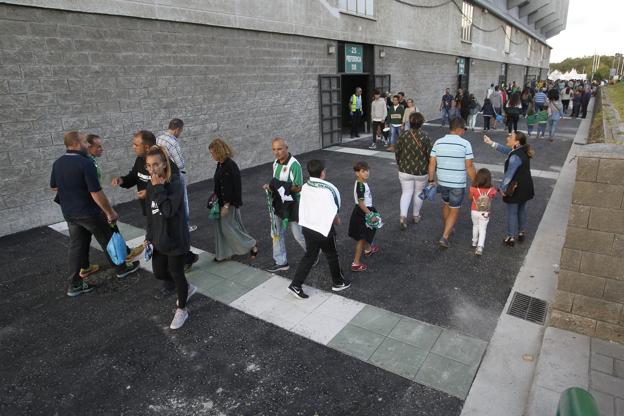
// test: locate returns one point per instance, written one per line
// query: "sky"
(593, 26)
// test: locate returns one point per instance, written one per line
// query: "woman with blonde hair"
(167, 229)
(231, 237)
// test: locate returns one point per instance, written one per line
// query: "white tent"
(572, 74)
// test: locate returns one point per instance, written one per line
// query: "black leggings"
(171, 269)
(512, 121)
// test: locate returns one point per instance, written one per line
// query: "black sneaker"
(192, 258)
(79, 289)
(128, 269)
(344, 285)
(278, 268)
(297, 292)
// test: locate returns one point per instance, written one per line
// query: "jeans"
(516, 219)
(576, 108)
(472, 121)
(541, 129)
(171, 269)
(411, 187)
(446, 116)
(394, 133)
(530, 129)
(315, 242)
(552, 126)
(80, 230)
(452, 196)
(356, 120)
(279, 245)
(512, 122)
(378, 127)
(480, 222)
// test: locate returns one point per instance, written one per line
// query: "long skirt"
(231, 237)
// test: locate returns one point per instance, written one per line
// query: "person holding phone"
(167, 229)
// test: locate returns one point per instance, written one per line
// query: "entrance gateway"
(356, 63)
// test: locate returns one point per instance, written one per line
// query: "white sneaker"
(479, 251)
(192, 228)
(179, 318)
(474, 244)
(373, 146)
(191, 291)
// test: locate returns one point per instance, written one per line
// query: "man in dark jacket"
(138, 175)
(585, 97)
(85, 207)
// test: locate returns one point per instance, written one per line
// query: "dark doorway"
(349, 82)
(463, 79)
(502, 78)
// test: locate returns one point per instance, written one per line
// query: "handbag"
(213, 206)
(513, 185)
(499, 117)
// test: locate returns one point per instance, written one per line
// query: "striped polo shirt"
(451, 153)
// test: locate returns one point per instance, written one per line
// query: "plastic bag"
(116, 247)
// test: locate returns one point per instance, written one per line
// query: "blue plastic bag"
(429, 192)
(116, 247)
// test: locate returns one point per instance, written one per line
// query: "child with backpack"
(542, 120)
(481, 192)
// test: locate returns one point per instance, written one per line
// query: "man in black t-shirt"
(83, 203)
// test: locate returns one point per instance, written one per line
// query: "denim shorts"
(452, 196)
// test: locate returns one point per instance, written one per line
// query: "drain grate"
(528, 308)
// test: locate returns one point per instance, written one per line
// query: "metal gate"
(382, 83)
(463, 79)
(330, 110)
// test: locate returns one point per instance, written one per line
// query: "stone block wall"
(590, 288)
(114, 75)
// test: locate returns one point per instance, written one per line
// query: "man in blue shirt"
(83, 204)
(450, 161)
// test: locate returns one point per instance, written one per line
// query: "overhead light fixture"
(382, 53)
(331, 49)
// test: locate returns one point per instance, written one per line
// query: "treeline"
(584, 66)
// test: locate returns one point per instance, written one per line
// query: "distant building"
(244, 70)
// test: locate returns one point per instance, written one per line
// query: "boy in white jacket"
(318, 213)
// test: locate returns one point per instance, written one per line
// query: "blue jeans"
(516, 219)
(446, 116)
(552, 127)
(279, 245)
(394, 133)
(452, 196)
(541, 129)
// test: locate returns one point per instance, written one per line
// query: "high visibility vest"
(354, 103)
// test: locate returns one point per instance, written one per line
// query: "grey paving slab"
(227, 268)
(619, 407)
(619, 368)
(447, 375)
(601, 363)
(605, 402)
(607, 384)
(416, 333)
(398, 357)
(358, 342)
(204, 280)
(226, 291)
(129, 231)
(459, 347)
(250, 277)
(376, 320)
(608, 348)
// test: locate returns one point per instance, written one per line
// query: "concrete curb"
(503, 384)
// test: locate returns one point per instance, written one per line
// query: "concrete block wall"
(516, 73)
(482, 75)
(422, 76)
(590, 288)
(114, 75)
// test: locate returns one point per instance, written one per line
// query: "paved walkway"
(437, 357)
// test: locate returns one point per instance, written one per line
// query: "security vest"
(354, 103)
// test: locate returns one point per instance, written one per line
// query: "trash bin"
(576, 401)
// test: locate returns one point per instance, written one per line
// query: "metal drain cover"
(528, 308)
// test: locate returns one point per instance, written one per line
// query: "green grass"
(616, 97)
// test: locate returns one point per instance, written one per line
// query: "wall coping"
(602, 151)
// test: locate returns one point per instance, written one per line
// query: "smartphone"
(149, 250)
